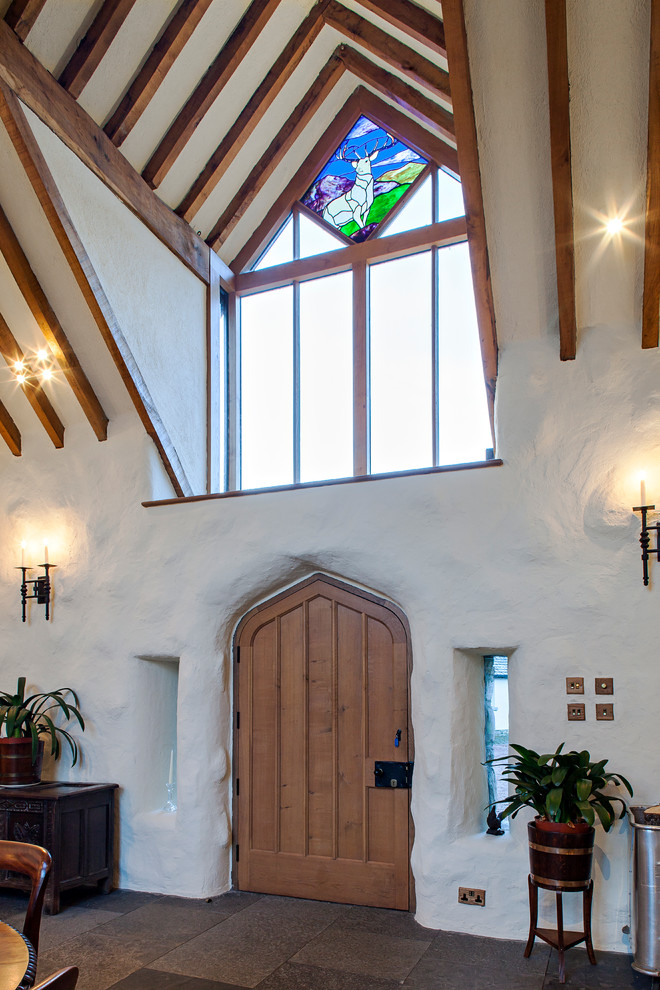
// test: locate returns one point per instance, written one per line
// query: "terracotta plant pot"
(560, 854)
(16, 766)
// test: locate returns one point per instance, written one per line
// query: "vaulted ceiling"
(216, 102)
(200, 114)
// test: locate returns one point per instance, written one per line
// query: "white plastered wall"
(537, 558)
(160, 305)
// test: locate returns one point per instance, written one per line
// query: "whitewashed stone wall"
(537, 558)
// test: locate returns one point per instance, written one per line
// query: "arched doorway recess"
(321, 692)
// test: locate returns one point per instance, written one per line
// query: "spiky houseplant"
(31, 718)
(561, 787)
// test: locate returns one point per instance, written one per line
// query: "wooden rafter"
(88, 281)
(651, 304)
(468, 160)
(22, 15)
(166, 50)
(407, 61)
(87, 57)
(264, 168)
(562, 184)
(361, 101)
(410, 99)
(33, 84)
(31, 387)
(252, 113)
(51, 328)
(9, 431)
(208, 90)
(418, 24)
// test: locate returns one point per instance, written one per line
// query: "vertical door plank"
(264, 718)
(321, 718)
(293, 732)
(381, 731)
(349, 733)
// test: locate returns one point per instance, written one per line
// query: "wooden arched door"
(321, 692)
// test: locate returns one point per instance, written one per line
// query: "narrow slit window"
(496, 703)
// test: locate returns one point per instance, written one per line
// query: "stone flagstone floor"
(133, 941)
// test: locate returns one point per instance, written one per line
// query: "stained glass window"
(367, 178)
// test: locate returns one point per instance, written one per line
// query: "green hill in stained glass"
(367, 177)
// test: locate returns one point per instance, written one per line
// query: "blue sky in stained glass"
(364, 180)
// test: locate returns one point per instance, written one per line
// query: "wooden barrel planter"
(16, 766)
(560, 855)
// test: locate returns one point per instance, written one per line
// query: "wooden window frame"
(354, 258)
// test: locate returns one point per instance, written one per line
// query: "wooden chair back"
(66, 979)
(33, 862)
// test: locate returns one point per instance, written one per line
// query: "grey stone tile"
(429, 976)
(165, 919)
(249, 945)
(613, 971)
(117, 900)
(101, 960)
(295, 975)
(226, 904)
(384, 956)
(400, 924)
(153, 979)
(58, 928)
(489, 953)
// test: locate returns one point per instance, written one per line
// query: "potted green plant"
(23, 721)
(566, 790)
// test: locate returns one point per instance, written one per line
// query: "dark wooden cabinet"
(74, 822)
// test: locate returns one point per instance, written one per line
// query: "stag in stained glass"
(354, 193)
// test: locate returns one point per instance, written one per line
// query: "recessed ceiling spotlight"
(614, 226)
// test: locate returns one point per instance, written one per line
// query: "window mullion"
(233, 396)
(296, 353)
(360, 369)
(435, 355)
(296, 383)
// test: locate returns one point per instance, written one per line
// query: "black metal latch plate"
(393, 774)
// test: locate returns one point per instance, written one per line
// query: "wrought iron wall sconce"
(645, 539)
(40, 585)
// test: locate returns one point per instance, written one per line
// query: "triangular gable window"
(370, 174)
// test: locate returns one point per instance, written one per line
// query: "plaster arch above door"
(321, 690)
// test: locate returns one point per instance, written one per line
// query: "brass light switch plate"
(576, 712)
(575, 685)
(604, 685)
(605, 713)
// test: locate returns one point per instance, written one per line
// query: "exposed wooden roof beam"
(87, 57)
(88, 281)
(468, 160)
(166, 50)
(264, 168)
(252, 113)
(360, 101)
(418, 24)
(9, 431)
(410, 99)
(418, 69)
(651, 304)
(51, 328)
(562, 184)
(31, 387)
(35, 86)
(211, 85)
(22, 15)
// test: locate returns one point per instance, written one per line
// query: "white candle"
(45, 553)
(171, 767)
(642, 489)
(23, 554)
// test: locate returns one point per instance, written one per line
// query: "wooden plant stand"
(559, 939)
